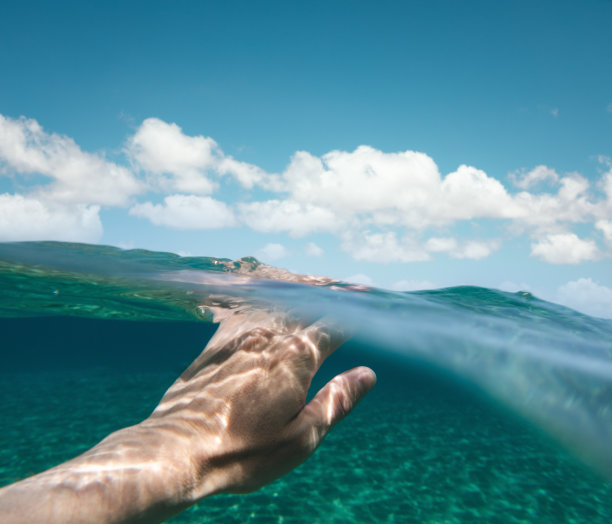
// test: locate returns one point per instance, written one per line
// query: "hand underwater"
(234, 421)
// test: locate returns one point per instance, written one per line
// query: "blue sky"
(405, 144)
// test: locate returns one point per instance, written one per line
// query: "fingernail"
(367, 377)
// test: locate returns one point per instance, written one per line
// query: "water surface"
(489, 405)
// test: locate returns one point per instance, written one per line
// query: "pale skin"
(234, 421)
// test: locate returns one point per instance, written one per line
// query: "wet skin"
(235, 420)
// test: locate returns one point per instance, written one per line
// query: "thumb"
(336, 400)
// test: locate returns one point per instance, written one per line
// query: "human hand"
(238, 412)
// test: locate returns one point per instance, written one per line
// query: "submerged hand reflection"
(235, 420)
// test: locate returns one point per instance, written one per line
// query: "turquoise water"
(489, 406)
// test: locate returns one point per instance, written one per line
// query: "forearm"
(134, 475)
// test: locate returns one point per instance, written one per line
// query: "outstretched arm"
(234, 421)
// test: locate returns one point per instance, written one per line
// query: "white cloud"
(186, 212)
(436, 245)
(362, 181)
(469, 193)
(383, 247)
(159, 147)
(380, 205)
(527, 179)
(546, 211)
(367, 189)
(77, 177)
(413, 285)
(313, 250)
(587, 296)
(472, 249)
(249, 175)
(605, 226)
(386, 247)
(564, 248)
(288, 216)
(394, 188)
(555, 112)
(476, 250)
(27, 218)
(272, 252)
(163, 149)
(354, 193)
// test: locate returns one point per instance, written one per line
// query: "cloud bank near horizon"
(382, 207)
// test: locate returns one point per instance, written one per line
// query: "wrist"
(174, 455)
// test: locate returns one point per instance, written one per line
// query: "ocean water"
(489, 406)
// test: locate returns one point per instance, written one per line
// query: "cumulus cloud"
(369, 198)
(272, 252)
(403, 189)
(526, 179)
(162, 148)
(383, 207)
(248, 175)
(472, 249)
(313, 250)
(587, 296)
(179, 162)
(186, 212)
(355, 193)
(470, 193)
(605, 226)
(288, 216)
(386, 247)
(565, 248)
(362, 181)
(383, 247)
(76, 177)
(436, 245)
(374, 196)
(546, 212)
(476, 250)
(413, 285)
(27, 218)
